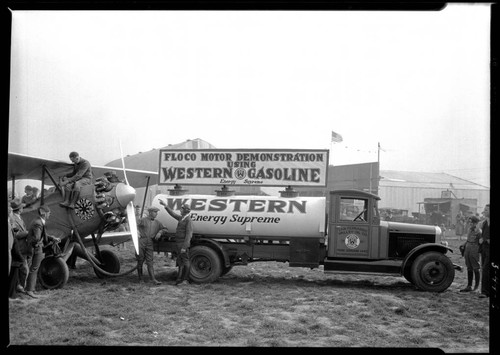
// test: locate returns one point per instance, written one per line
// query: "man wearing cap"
(471, 255)
(138, 214)
(37, 238)
(484, 241)
(28, 198)
(148, 228)
(183, 235)
(20, 233)
(80, 176)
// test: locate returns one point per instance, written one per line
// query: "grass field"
(260, 305)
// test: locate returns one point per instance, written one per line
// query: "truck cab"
(358, 241)
(354, 225)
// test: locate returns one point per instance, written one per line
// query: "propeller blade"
(123, 163)
(132, 223)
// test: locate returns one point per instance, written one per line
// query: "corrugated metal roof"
(426, 180)
(150, 160)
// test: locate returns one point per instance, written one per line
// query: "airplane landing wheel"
(53, 272)
(109, 263)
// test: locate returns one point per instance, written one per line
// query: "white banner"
(243, 167)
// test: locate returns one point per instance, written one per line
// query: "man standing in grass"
(37, 238)
(471, 255)
(183, 235)
(148, 228)
(484, 241)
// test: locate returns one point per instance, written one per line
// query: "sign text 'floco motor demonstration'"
(244, 167)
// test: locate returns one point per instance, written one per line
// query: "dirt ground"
(265, 304)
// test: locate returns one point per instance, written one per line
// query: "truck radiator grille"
(401, 244)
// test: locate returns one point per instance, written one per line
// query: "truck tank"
(255, 216)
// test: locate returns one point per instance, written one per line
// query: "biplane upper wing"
(20, 166)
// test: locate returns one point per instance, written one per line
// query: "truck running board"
(359, 266)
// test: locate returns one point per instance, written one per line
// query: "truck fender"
(215, 246)
(422, 248)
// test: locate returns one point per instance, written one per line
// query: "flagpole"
(331, 153)
(378, 154)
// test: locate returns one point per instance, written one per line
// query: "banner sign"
(243, 167)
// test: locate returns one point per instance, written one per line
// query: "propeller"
(130, 211)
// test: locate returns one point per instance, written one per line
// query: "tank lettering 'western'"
(236, 205)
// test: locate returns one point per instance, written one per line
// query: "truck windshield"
(353, 209)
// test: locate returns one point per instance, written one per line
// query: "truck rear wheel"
(432, 271)
(206, 265)
(225, 270)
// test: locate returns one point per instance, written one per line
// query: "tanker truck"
(349, 236)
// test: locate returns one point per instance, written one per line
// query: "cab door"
(350, 225)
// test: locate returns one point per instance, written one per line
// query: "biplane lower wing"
(109, 238)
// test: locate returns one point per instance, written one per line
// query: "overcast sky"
(417, 82)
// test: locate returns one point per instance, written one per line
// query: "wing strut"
(145, 195)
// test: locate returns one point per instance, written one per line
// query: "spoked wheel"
(53, 272)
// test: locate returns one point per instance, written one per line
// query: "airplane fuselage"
(90, 211)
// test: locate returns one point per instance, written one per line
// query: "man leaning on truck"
(183, 235)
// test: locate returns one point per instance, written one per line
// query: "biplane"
(101, 209)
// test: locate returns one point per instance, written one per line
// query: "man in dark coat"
(484, 241)
(37, 239)
(20, 233)
(183, 235)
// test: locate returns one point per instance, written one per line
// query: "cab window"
(353, 209)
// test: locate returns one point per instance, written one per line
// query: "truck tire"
(432, 271)
(109, 263)
(225, 270)
(206, 265)
(53, 272)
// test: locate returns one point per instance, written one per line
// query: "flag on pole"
(336, 137)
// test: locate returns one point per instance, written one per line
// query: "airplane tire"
(109, 263)
(206, 265)
(53, 273)
(432, 271)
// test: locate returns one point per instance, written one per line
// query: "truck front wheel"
(432, 271)
(206, 265)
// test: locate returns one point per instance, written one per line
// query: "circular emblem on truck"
(352, 241)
